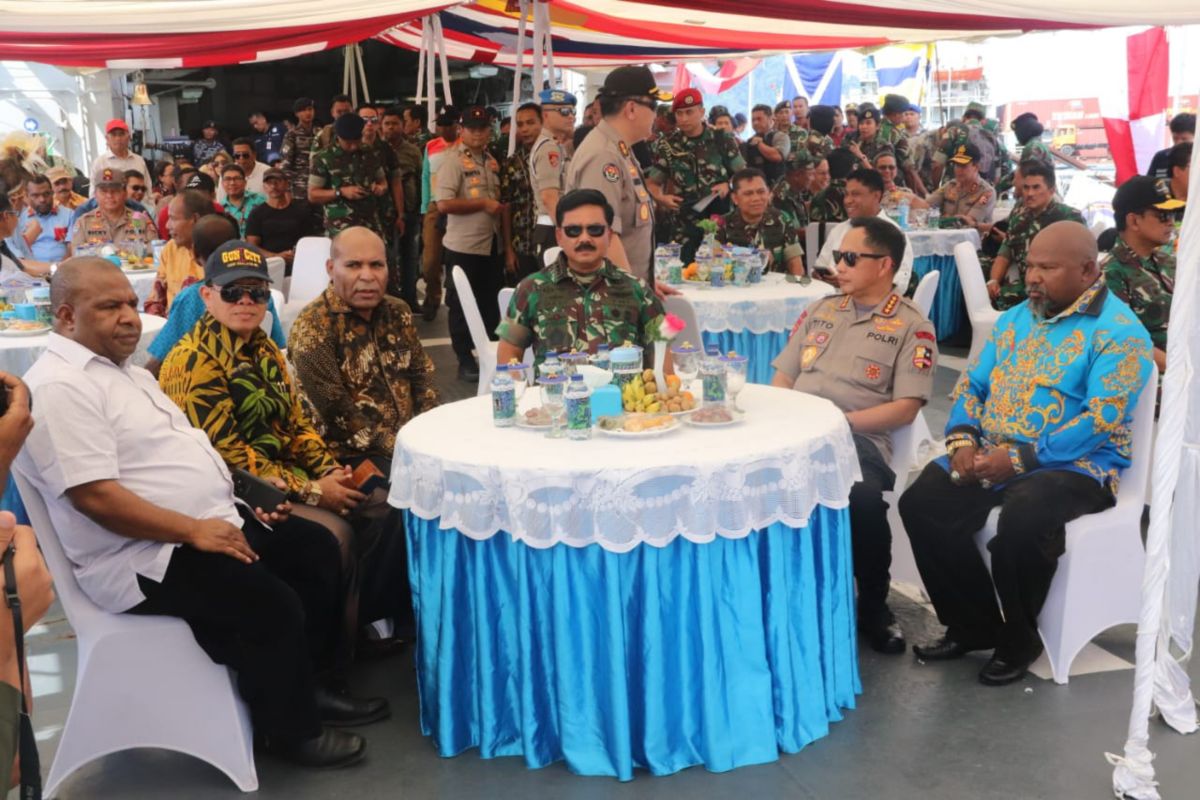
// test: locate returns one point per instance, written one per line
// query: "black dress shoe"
(331, 749)
(468, 373)
(946, 649)
(341, 710)
(369, 649)
(1004, 669)
(429, 313)
(883, 634)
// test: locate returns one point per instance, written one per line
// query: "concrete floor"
(920, 730)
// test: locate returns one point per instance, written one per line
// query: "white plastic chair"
(924, 293)
(1099, 579)
(979, 306)
(485, 348)
(142, 681)
(682, 308)
(503, 299)
(277, 269)
(812, 244)
(551, 255)
(309, 277)
(908, 448)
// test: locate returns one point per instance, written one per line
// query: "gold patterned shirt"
(363, 379)
(1058, 392)
(241, 395)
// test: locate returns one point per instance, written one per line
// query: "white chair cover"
(925, 291)
(485, 348)
(979, 306)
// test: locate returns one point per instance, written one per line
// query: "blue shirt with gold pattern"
(1057, 392)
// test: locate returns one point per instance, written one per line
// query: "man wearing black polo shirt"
(276, 225)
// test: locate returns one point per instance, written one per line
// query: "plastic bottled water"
(712, 376)
(504, 398)
(578, 401)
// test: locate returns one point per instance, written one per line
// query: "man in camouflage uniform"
(829, 204)
(402, 282)
(1139, 270)
(347, 180)
(894, 130)
(516, 192)
(416, 126)
(380, 154)
(958, 133)
(920, 146)
(297, 147)
(339, 106)
(1006, 284)
(583, 300)
(754, 222)
(1029, 136)
(875, 135)
(790, 193)
(698, 161)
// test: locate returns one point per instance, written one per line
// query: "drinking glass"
(735, 376)
(519, 373)
(552, 401)
(686, 358)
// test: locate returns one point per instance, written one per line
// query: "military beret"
(349, 126)
(820, 119)
(688, 98)
(868, 111)
(557, 97)
(895, 104)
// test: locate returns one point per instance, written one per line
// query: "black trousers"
(275, 622)
(485, 274)
(942, 519)
(870, 534)
(385, 592)
(403, 283)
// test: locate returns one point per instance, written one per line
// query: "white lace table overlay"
(793, 452)
(940, 242)
(766, 307)
(18, 353)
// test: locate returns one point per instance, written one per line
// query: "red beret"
(688, 98)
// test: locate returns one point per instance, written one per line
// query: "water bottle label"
(714, 388)
(579, 413)
(504, 403)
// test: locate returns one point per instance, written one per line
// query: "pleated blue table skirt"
(760, 348)
(720, 654)
(949, 308)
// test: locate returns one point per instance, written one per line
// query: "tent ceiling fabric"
(189, 33)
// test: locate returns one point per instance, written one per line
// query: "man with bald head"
(1041, 428)
(145, 511)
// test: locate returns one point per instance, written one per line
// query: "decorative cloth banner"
(1135, 102)
(818, 76)
(731, 73)
(902, 69)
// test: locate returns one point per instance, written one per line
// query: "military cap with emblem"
(110, 179)
(895, 104)
(820, 119)
(868, 111)
(1142, 193)
(783, 105)
(633, 81)
(800, 158)
(688, 98)
(718, 111)
(235, 260)
(447, 115)
(975, 107)
(476, 117)
(557, 97)
(349, 127)
(966, 153)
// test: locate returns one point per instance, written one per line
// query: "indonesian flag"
(692, 74)
(1135, 103)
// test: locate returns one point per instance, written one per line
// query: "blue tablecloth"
(949, 310)
(720, 654)
(761, 348)
(11, 501)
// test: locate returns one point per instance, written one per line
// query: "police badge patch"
(611, 173)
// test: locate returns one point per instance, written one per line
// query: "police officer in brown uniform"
(605, 162)
(548, 161)
(112, 222)
(872, 353)
(468, 194)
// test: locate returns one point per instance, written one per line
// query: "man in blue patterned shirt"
(1041, 428)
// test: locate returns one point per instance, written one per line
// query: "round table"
(142, 282)
(934, 249)
(754, 320)
(617, 604)
(17, 353)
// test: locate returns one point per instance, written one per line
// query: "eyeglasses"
(234, 293)
(646, 102)
(241, 156)
(1163, 216)
(575, 231)
(370, 120)
(851, 258)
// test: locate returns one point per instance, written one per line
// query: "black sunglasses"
(851, 258)
(234, 293)
(575, 231)
(566, 111)
(240, 156)
(1163, 216)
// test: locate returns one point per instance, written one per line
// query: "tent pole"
(440, 41)
(937, 67)
(421, 69)
(430, 79)
(517, 70)
(362, 71)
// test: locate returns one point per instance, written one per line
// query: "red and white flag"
(1135, 103)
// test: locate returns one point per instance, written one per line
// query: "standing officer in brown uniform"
(468, 194)
(872, 353)
(605, 162)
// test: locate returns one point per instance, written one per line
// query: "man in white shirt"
(118, 157)
(144, 508)
(864, 198)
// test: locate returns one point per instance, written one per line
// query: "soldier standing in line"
(516, 192)
(346, 180)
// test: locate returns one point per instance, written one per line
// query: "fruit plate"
(722, 423)
(648, 434)
(33, 331)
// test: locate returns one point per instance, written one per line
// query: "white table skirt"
(930, 242)
(770, 306)
(18, 353)
(792, 452)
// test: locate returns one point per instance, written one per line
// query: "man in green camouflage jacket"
(582, 300)
(876, 135)
(347, 180)
(516, 192)
(697, 160)
(754, 222)
(1006, 284)
(829, 204)
(1139, 269)
(790, 193)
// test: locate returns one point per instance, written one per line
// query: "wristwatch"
(312, 494)
(337, 193)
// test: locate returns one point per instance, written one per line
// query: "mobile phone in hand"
(256, 492)
(367, 477)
